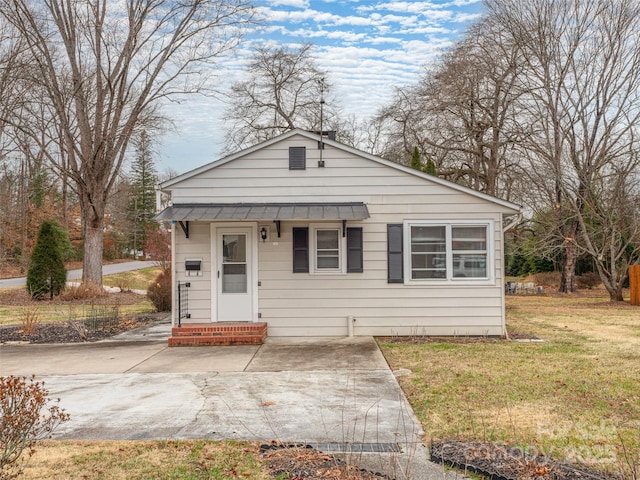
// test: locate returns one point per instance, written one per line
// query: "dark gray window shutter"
(297, 158)
(354, 249)
(395, 270)
(301, 250)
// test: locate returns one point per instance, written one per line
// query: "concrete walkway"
(337, 393)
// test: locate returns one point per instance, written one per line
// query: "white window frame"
(313, 249)
(450, 279)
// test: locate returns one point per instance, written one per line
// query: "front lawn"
(197, 459)
(575, 396)
(15, 303)
(16, 306)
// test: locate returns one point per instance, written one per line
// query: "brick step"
(222, 333)
(219, 329)
(216, 340)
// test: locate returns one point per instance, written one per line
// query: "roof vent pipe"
(321, 161)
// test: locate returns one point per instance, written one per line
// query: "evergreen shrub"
(47, 274)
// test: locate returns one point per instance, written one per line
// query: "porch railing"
(183, 301)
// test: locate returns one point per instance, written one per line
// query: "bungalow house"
(310, 237)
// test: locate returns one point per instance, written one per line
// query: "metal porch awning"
(265, 211)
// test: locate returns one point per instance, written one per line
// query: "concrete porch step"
(221, 333)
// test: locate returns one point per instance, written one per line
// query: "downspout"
(505, 229)
(513, 223)
(158, 197)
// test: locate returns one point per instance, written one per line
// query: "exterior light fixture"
(263, 234)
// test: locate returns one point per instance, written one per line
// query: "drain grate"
(335, 447)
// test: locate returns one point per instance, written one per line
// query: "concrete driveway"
(337, 394)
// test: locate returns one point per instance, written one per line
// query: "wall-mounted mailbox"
(193, 267)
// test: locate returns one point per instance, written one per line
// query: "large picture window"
(436, 251)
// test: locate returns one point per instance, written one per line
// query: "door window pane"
(234, 263)
(234, 248)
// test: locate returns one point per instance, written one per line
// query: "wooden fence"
(634, 284)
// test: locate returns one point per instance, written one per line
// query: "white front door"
(235, 274)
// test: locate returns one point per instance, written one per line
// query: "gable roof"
(354, 151)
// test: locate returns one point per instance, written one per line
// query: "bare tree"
(583, 107)
(463, 112)
(102, 67)
(283, 90)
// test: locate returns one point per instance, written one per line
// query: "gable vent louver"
(297, 158)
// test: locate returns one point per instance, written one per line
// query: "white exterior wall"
(304, 304)
(197, 246)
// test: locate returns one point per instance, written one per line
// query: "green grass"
(135, 280)
(574, 396)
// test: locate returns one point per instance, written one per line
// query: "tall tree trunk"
(569, 257)
(609, 280)
(93, 236)
(616, 296)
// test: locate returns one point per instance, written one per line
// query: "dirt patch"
(76, 331)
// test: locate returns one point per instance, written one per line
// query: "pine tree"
(416, 163)
(47, 273)
(142, 208)
(430, 167)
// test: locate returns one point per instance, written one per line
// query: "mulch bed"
(490, 461)
(75, 331)
(502, 462)
(302, 462)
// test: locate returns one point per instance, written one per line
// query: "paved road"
(77, 274)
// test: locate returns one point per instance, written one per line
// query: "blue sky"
(366, 47)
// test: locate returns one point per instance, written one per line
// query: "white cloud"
(367, 47)
(298, 16)
(466, 17)
(406, 7)
(382, 40)
(289, 3)
(349, 37)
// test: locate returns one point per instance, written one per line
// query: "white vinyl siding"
(198, 245)
(309, 304)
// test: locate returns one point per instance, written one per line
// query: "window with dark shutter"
(297, 158)
(301, 250)
(395, 273)
(354, 250)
